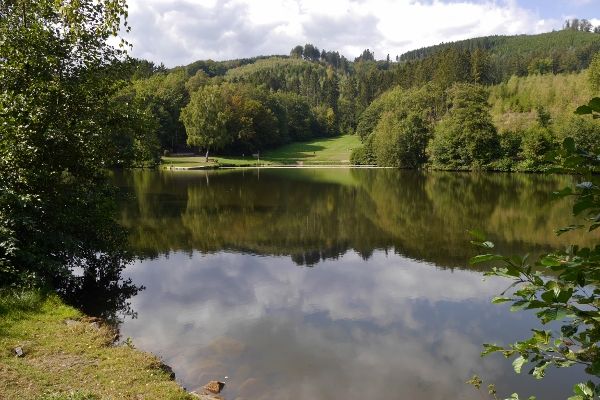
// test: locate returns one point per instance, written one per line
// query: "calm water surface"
(332, 284)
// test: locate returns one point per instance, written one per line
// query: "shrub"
(400, 142)
(585, 132)
(363, 155)
(537, 141)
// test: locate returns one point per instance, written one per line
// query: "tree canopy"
(60, 124)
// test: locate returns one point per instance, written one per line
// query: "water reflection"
(388, 328)
(385, 313)
(312, 215)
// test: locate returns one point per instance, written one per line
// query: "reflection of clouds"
(386, 328)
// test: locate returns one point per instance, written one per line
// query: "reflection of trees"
(422, 215)
(100, 290)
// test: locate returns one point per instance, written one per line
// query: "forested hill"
(219, 68)
(546, 43)
(248, 105)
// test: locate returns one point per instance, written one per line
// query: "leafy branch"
(562, 286)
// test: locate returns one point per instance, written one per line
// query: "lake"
(333, 283)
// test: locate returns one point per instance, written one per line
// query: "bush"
(400, 142)
(537, 141)
(363, 155)
(585, 132)
(510, 149)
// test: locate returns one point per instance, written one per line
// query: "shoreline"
(281, 166)
(50, 350)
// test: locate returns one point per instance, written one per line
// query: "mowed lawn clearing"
(322, 151)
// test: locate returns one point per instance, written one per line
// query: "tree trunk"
(207, 153)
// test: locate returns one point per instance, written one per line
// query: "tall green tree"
(466, 137)
(58, 115)
(400, 142)
(164, 95)
(205, 119)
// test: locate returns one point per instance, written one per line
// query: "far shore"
(212, 167)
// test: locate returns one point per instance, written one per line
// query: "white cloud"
(350, 328)
(181, 31)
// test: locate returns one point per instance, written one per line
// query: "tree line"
(454, 128)
(314, 92)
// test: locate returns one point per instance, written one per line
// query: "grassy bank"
(323, 151)
(69, 356)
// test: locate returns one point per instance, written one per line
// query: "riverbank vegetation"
(68, 356)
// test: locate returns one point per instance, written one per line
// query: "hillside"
(504, 56)
(266, 102)
(515, 102)
(545, 43)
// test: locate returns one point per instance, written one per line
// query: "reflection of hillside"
(311, 215)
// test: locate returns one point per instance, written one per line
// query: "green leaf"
(583, 389)
(518, 364)
(550, 261)
(540, 370)
(520, 305)
(569, 330)
(490, 348)
(542, 337)
(499, 300)
(486, 258)
(548, 296)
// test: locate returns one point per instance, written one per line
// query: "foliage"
(561, 286)
(427, 101)
(163, 95)
(59, 116)
(465, 138)
(585, 132)
(594, 73)
(400, 142)
(516, 102)
(563, 51)
(344, 96)
(536, 143)
(364, 154)
(205, 119)
(297, 117)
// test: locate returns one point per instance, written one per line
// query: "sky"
(178, 32)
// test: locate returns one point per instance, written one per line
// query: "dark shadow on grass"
(296, 154)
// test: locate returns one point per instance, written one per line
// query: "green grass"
(323, 151)
(76, 361)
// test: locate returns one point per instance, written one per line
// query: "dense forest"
(515, 94)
